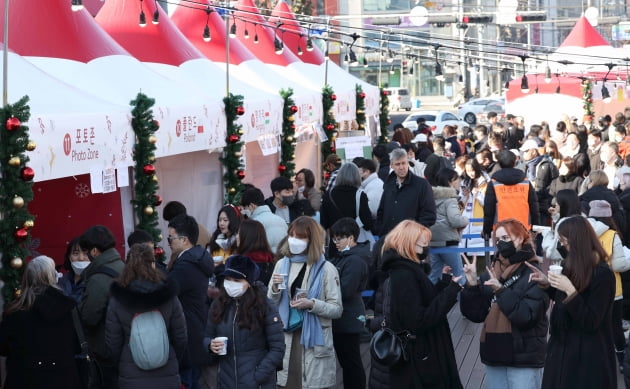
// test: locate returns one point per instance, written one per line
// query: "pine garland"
(286, 167)
(146, 183)
(383, 118)
(230, 158)
(329, 124)
(16, 191)
(360, 100)
(587, 98)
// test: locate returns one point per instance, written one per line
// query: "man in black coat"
(284, 203)
(191, 270)
(540, 171)
(405, 196)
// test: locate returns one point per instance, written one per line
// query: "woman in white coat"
(306, 289)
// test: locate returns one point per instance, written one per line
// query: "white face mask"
(297, 246)
(346, 248)
(79, 266)
(233, 289)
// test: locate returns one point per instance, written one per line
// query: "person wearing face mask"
(283, 202)
(419, 307)
(305, 188)
(611, 163)
(75, 261)
(568, 178)
(567, 205)
(223, 241)
(514, 336)
(447, 230)
(351, 262)
(581, 350)
(305, 287)
(623, 141)
(249, 320)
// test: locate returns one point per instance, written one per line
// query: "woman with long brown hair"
(251, 241)
(141, 288)
(419, 307)
(581, 353)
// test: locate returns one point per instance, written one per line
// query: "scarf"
(531, 167)
(312, 334)
(496, 322)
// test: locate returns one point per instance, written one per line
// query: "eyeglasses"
(338, 239)
(169, 238)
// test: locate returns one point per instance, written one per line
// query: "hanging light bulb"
(309, 44)
(390, 57)
(256, 38)
(524, 84)
(299, 50)
(77, 5)
(353, 58)
(506, 86)
(156, 17)
(391, 70)
(365, 62)
(548, 75)
(246, 33)
(142, 22)
(471, 66)
(438, 72)
(278, 46)
(233, 30)
(605, 94)
(206, 34)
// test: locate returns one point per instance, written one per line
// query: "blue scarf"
(312, 334)
(531, 167)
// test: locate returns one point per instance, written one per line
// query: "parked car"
(469, 110)
(399, 99)
(499, 108)
(436, 120)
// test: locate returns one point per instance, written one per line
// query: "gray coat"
(449, 223)
(125, 302)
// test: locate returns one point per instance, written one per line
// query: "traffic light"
(531, 17)
(476, 19)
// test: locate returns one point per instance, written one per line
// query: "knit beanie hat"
(599, 208)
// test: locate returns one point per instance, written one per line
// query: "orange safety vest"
(512, 202)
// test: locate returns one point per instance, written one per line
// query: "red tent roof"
(160, 43)
(191, 21)
(584, 35)
(282, 13)
(51, 29)
(251, 20)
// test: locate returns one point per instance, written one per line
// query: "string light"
(77, 5)
(156, 14)
(206, 30)
(142, 20)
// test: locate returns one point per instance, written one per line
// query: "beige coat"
(319, 363)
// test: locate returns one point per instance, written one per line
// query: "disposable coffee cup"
(300, 294)
(283, 284)
(218, 259)
(555, 269)
(225, 342)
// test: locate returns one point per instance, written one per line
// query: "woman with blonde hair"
(305, 287)
(37, 333)
(419, 307)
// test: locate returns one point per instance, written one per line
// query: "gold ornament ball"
(15, 161)
(289, 138)
(29, 224)
(232, 190)
(30, 146)
(18, 202)
(238, 154)
(148, 210)
(359, 111)
(292, 156)
(240, 131)
(160, 237)
(152, 139)
(361, 126)
(154, 178)
(16, 263)
(291, 118)
(18, 293)
(151, 158)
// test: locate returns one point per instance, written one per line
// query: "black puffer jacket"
(253, 357)
(142, 296)
(525, 304)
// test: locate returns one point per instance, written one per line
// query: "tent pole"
(5, 57)
(227, 49)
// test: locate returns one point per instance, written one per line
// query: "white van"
(399, 99)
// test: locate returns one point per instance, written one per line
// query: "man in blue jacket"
(191, 270)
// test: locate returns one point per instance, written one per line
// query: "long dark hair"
(67, 263)
(568, 202)
(253, 307)
(252, 237)
(585, 251)
(139, 266)
(234, 216)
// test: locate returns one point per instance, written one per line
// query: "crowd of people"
(274, 294)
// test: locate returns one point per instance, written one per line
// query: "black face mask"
(562, 250)
(425, 253)
(506, 249)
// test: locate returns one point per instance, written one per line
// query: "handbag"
(296, 317)
(387, 346)
(86, 366)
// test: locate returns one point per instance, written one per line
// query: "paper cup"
(218, 259)
(283, 284)
(555, 269)
(225, 342)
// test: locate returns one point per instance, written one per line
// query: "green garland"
(587, 98)
(232, 151)
(360, 99)
(329, 124)
(383, 118)
(16, 191)
(145, 184)
(286, 167)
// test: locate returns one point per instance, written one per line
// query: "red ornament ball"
(294, 108)
(330, 127)
(233, 138)
(362, 95)
(157, 200)
(333, 149)
(385, 93)
(293, 127)
(28, 173)
(158, 252)
(13, 123)
(21, 234)
(333, 97)
(282, 168)
(149, 169)
(240, 174)
(389, 121)
(156, 124)
(240, 110)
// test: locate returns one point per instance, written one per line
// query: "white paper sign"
(353, 145)
(122, 176)
(96, 179)
(109, 180)
(268, 144)
(321, 133)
